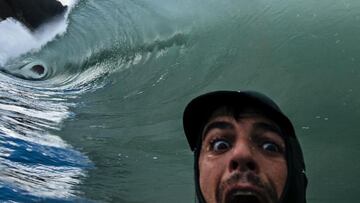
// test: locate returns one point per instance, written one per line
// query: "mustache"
(249, 178)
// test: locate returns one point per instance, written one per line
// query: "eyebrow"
(217, 125)
(264, 126)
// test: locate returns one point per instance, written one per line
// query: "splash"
(16, 39)
(35, 164)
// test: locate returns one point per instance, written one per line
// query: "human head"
(282, 178)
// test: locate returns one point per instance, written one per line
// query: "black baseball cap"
(197, 113)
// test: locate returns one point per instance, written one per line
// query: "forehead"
(239, 113)
(248, 118)
(229, 114)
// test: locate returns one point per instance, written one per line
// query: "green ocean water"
(149, 58)
(304, 54)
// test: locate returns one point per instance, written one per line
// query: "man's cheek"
(208, 181)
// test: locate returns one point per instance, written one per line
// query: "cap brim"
(199, 110)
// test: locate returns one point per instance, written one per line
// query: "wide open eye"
(220, 145)
(271, 147)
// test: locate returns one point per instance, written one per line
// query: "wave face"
(35, 163)
(91, 103)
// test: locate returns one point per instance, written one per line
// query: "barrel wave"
(91, 102)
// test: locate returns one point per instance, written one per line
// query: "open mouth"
(241, 196)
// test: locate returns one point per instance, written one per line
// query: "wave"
(35, 163)
(56, 65)
(16, 39)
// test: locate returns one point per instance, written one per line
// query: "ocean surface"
(103, 121)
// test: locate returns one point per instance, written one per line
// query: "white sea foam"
(14, 34)
(28, 114)
(69, 3)
(39, 180)
(16, 39)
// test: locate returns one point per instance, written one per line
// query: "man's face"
(242, 160)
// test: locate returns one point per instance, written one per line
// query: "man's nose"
(242, 158)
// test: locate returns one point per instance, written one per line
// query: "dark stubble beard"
(269, 192)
